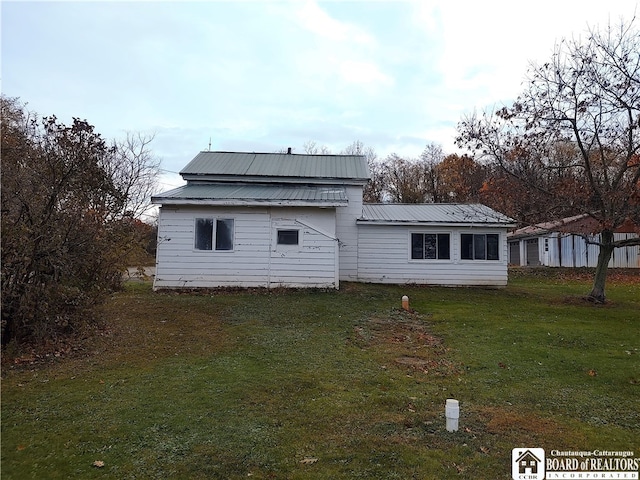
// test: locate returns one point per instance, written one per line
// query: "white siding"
(384, 257)
(347, 233)
(569, 250)
(256, 260)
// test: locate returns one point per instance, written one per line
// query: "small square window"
(288, 237)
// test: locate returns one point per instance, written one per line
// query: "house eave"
(214, 178)
(410, 223)
(246, 203)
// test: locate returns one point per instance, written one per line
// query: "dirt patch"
(405, 340)
(522, 424)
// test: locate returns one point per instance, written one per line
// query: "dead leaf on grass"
(592, 373)
(98, 464)
(308, 461)
(460, 468)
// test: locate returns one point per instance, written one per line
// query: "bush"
(67, 231)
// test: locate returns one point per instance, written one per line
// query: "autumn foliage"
(67, 229)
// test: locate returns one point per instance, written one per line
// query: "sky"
(261, 76)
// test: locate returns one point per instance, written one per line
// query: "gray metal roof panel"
(352, 167)
(254, 192)
(450, 213)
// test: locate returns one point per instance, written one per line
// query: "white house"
(270, 220)
(562, 243)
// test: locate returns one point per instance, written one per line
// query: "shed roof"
(246, 194)
(582, 224)
(433, 213)
(346, 167)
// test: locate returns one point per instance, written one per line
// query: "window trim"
(214, 234)
(436, 233)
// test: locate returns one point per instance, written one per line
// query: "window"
(288, 237)
(430, 246)
(479, 246)
(224, 234)
(205, 234)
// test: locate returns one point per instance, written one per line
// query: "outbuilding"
(570, 242)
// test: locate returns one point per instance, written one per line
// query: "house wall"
(384, 257)
(347, 233)
(256, 260)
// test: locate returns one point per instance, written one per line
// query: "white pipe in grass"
(452, 412)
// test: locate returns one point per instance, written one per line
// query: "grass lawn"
(319, 385)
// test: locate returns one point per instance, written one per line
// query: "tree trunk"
(597, 294)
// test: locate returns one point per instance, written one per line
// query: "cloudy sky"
(266, 75)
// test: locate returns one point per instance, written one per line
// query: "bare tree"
(587, 96)
(431, 157)
(312, 148)
(134, 170)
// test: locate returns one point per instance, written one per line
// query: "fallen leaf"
(484, 450)
(98, 464)
(308, 461)
(21, 447)
(592, 373)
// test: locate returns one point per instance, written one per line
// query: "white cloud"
(314, 19)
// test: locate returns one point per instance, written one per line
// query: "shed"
(563, 243)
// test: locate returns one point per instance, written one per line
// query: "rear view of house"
(271, 220)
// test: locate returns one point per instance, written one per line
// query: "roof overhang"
(414, 223)
(207, 194)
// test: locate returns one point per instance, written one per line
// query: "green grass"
(317, 385)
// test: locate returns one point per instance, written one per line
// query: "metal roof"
(433, 213)
(229, 193)
(347, 167)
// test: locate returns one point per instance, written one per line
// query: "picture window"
(479, 246)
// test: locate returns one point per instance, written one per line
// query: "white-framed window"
(480, 246)
(214, 234)
(288, 236)
(430, 246)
